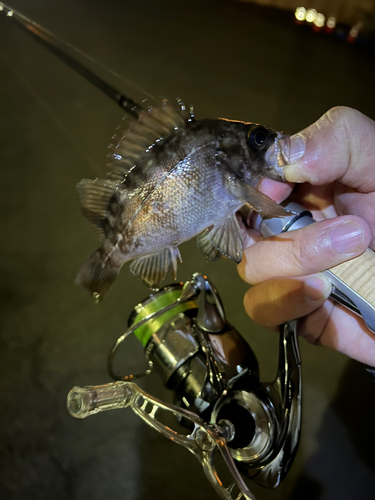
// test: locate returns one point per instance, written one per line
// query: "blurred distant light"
(311, 15)
(300, 13)
(355, 29)
(331, 22)
(1, 8)
(10, 13)
(353, 33)
(320, 20)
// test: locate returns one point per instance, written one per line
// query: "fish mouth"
(278, 154)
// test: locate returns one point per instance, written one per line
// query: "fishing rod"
(49, 41)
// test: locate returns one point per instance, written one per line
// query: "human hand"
(333, 160)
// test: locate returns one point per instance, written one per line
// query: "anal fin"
(152, 269)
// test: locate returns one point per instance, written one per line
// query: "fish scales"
(172, 178)
(173, 217)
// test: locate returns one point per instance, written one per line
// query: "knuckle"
(245, 272)
(253, 305)
(299, 255)
(340, 114)
(261, 305)
(240, 270)
(341, 120)
(247, 303)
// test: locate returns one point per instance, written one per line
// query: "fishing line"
(48, 40)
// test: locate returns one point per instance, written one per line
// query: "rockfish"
(172, 178)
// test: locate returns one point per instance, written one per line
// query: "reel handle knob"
(85, 401)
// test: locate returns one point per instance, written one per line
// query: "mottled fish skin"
(163, 192)
(180, 200)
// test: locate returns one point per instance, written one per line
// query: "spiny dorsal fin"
(134, 139)
(95, 196)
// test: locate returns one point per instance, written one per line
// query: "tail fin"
(98, 274)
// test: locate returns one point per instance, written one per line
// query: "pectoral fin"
(152, 269)
(258, 201)
(206, 247)
(225, 237)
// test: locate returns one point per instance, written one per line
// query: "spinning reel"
(219, 400)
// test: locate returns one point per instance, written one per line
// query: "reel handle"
(203, 441)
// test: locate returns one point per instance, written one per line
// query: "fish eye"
(258, 137)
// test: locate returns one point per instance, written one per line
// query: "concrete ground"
(230, 60)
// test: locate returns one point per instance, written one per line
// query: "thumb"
(339, 146)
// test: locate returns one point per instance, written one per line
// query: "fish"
(172, 177)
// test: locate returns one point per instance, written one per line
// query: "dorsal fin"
(132, 144)
(135, 138)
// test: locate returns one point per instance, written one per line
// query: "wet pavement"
(229, 60)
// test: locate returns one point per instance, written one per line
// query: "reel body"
(214, 376)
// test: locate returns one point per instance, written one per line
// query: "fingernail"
(347, 238)
(317, 288)
(297, 147)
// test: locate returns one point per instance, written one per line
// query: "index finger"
(339, 146)
(308, 250)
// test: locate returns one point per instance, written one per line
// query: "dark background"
(230, 60)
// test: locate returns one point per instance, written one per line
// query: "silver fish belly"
(171, 179)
